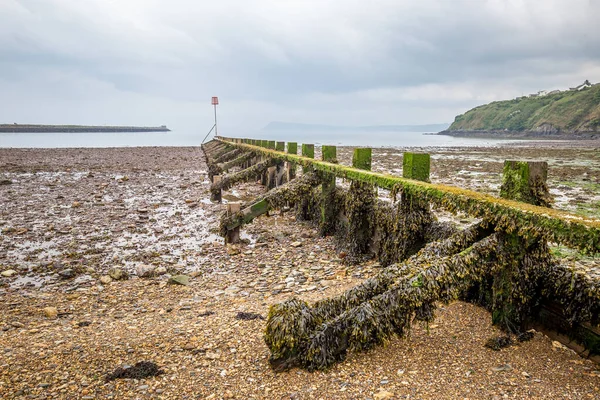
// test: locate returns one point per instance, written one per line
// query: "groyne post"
(264, 177)
(303, 212)
(512, 300)
(308, 150)
(328, 204)
(416, 166)
(233, 235)
(401, 233)
(292, 148)
(216, 195)
(526, 182)
(360, 206)
(271, 173)
(280, 172)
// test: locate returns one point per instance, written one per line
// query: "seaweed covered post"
(512, 293)
(230, 155)
(264, 177)
(526, 182)
(303, 207)
(241, 161)
(413, 216)
(273, 199)
(308, 150)
(280, 172)
(218, 152)
(416, 166)
(233, 235)
(360, 207)
(328, 205)
(271, 174)
(381, 307)
(292, 148)
(216, 195)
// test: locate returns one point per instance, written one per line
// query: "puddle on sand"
(29, 281)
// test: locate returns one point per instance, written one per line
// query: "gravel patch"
(63, 332)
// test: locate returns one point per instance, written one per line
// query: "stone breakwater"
(15, 128)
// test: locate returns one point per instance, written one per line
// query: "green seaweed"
(416, 166)
(529, 220)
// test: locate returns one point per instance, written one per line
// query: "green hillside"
(573, 111)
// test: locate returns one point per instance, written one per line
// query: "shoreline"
(524, 135)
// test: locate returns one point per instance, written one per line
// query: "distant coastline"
(34, 128)
(527, 134)
(554, 115)
(293, 126)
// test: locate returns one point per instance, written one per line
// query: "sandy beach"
(71, 218)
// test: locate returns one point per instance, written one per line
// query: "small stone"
(50, 312)
(118, 274)
(44, 385)
(76, 204)
(296, 244)
(8, 273)
(105, 279)
(383, 394)
(233, 251)
(557, 345)
(160, 271)
(212, 356)
(180, 280)
(67, 273)
(143, 387)
(145, 271)
(504, 367)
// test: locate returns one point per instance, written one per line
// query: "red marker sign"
(215, 101)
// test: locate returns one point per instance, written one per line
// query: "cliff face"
(568, 113)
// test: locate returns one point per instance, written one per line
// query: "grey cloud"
(300, 58)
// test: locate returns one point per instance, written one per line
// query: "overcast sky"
(341, 62)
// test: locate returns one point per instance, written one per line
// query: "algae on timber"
(528, 220)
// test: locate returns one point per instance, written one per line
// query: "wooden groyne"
(29, 128)
(502, 262)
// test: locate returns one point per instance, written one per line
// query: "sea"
(194, 138)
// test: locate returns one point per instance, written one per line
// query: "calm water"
(188, 138)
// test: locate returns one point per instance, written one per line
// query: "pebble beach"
(94, 244)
